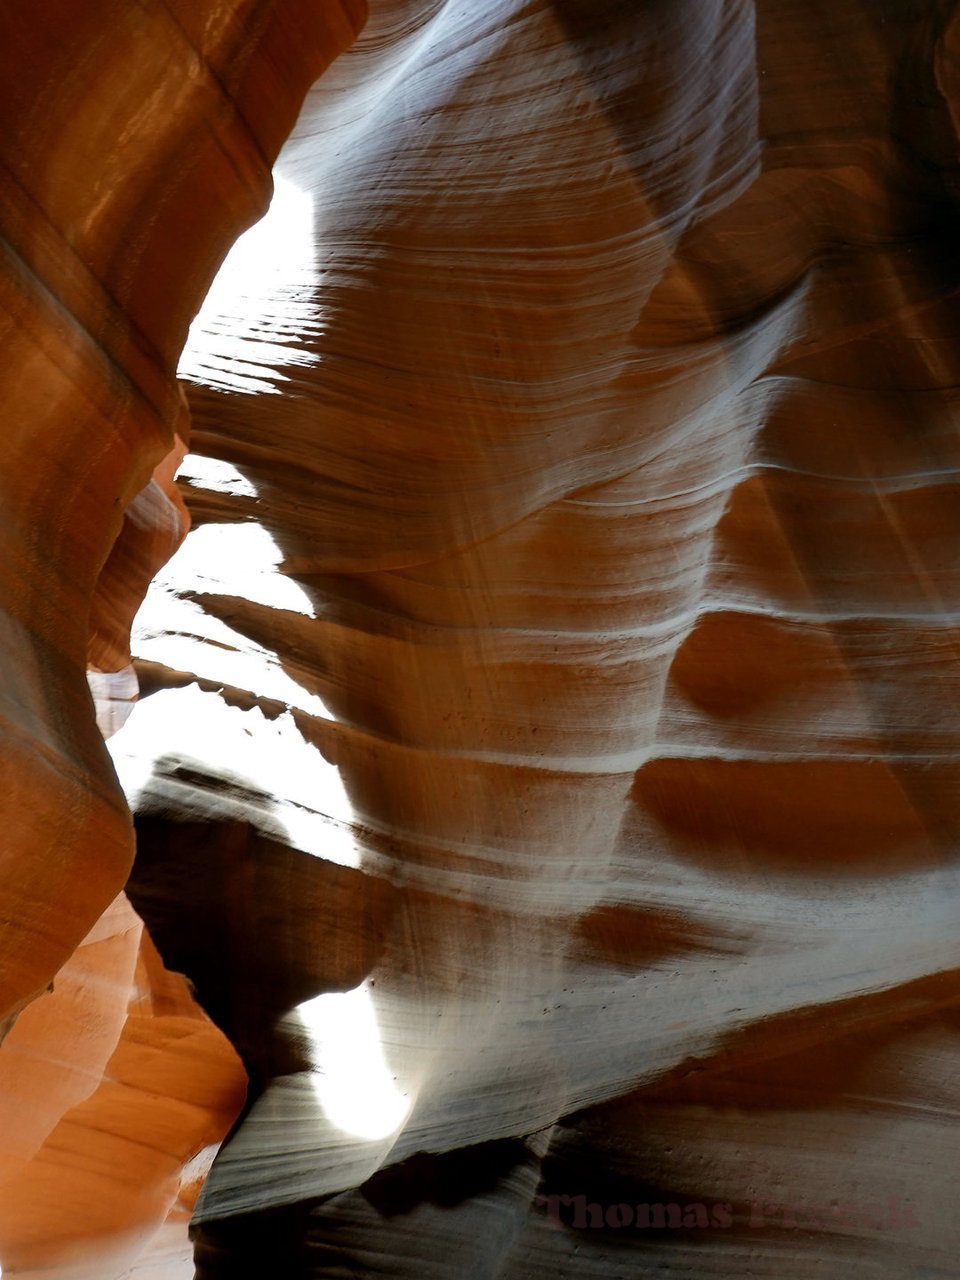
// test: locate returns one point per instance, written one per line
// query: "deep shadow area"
(633, 937)
(836, 1066)
(446, 1180)
(257, 927)
(302, 1241)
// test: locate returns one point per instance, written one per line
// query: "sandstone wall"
(546, 768)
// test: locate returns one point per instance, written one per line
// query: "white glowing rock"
(352, 1080)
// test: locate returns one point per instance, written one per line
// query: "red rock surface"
(547, 778)
(136, 142)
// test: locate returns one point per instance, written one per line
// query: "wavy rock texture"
(553, 706)
(109, 1086)
(547, 779)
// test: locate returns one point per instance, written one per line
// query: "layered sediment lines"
(546, 776)
(555, 698)
(110, 1085)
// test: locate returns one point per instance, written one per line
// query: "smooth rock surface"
(572, 591)
(546, 768)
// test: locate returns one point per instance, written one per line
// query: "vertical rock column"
(137, 142)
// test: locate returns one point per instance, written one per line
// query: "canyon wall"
(136, 142)
(544, 770)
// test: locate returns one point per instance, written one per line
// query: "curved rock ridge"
(137, 142)
(546, 776)
(109, 1087)
(554, 701)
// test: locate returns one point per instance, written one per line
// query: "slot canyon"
(479, 607)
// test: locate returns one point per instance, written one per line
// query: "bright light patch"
(352, 1080)
(214, 475)
(268, 257)
(239, 560)
(199, 1167)
(303, 797)
(219, 568)
(240, 338)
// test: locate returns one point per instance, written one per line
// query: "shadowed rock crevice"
(257, 927)
(477, 1191)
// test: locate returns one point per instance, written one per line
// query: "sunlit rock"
(544, 763)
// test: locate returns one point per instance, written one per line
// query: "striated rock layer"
(555, 698)
(110, 1085)
(547, 773)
